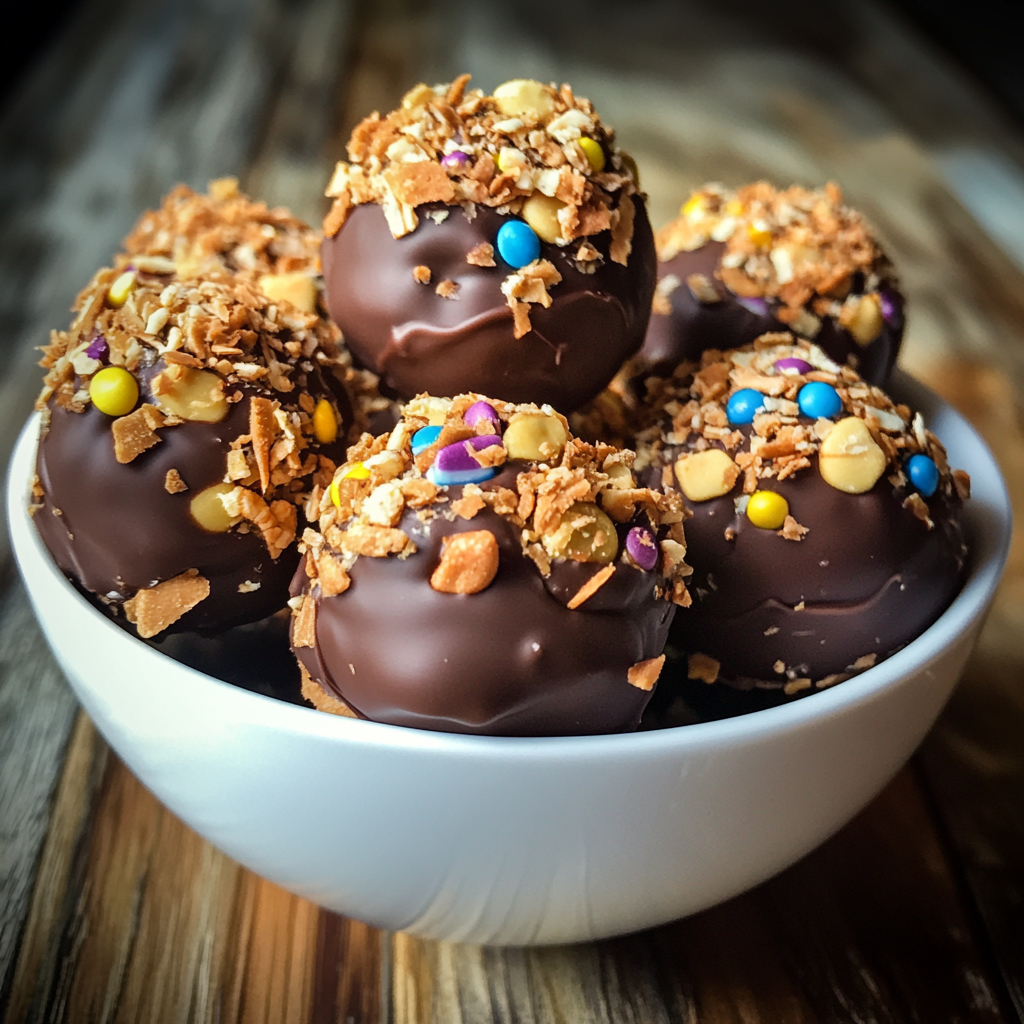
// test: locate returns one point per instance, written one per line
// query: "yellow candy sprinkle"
(594, 154)
(325, 423)
(734, 208)
(114, 391)
(767, 510)
(357, 472)
(693, 207)
(509, 160)
(759, 234)
(119, 291)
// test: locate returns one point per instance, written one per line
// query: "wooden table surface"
(112, 910)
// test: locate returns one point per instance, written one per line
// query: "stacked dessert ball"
(481, 570)
(190, 407)
(495, 244)
(735, 265)
(471, 563)
(825, 531)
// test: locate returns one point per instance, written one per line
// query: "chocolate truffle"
(735, 265)
(196, 399)
(489, 243)
(826, 524)
(480, 570)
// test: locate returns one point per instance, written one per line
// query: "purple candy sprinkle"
(756, 306)
(454, 458)
(454, 161)
(98, 348)
(889, 307)
(480, 411)
(642, 548)
(794, 364)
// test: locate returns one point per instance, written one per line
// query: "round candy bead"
(792, 365)
(478, 412)
(518, 243)
(454, 161)
(113, 391)
(819, 400)
(744, 406)
(357, 471)
(767, 510)
(454, 465)
(924, 474)
(594, 153)
(424, 438)
(325, 422)
(642, 547)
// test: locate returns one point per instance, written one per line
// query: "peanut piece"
(849, 460)
(705, 475)
(469, 561)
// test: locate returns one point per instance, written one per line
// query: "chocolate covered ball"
(187, 414)
(735, 265)
(826, 524)
(479, 570)
(496, 244)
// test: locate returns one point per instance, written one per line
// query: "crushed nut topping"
(564, 507)
(456, 147)
(687, 413)
(207, 304)
(802, 247)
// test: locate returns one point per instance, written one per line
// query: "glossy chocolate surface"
(120, 530)
(692, 326)
(869, 574)
(418, 341)
(511, 660)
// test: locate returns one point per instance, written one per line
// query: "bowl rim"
(972, 601)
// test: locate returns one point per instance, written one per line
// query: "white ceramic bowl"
(513, 841)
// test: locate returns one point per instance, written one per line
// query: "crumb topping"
(567, 499)
(208, 303)
(691, 430)
(446, 144)
(801, 247)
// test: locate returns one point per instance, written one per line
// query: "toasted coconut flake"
(151, 611)
(703, 667)
(136, 432)
(589, 589)
(644, 675)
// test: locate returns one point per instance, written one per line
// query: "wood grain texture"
(112, 910)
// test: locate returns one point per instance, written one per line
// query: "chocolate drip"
(511, 660)
(119, 529)
(693, 327)
(418, 341)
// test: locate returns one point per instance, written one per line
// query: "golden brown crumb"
(321, 699)
(173, 484)
(447, 289)
(703, 667)
(469, 562)
(421, 274)
(136, 432)
(304, 624)
(644, 674)
(152, 611)
(481, 255)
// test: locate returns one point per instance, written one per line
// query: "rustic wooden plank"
(974, 759)
(36, 715)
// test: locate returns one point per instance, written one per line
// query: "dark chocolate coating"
(871, 576)
(511, 660)
(120, 530)
(418, 341)
(693, 327)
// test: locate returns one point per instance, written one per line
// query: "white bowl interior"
(514, 840)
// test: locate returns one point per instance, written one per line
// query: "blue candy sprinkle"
(744, 406)
(424, 438)
(450, 477)
(819, 400)
(923, 473)
(518, 243)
